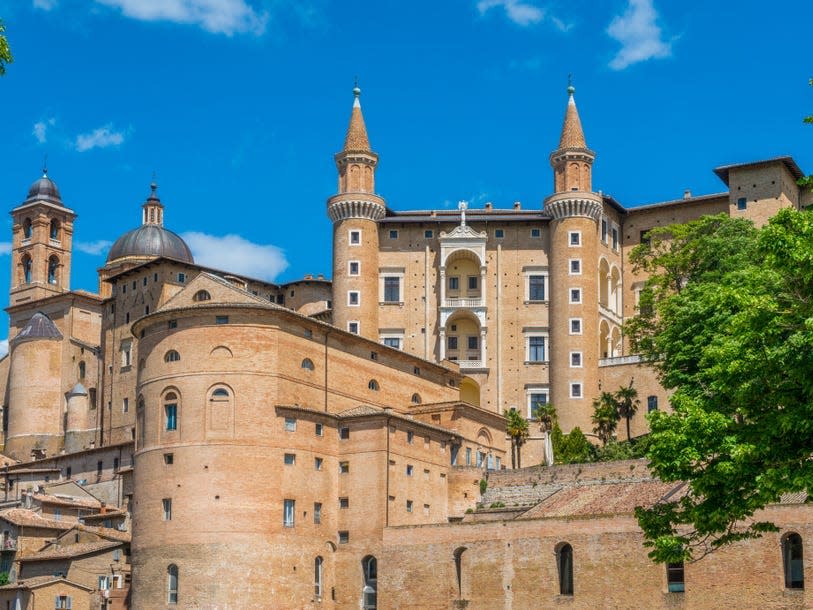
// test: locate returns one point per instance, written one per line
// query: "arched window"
(53, 266)
(416, 399)
(458, 568)
(564, 564)
(318, 568)
(792, 561)
(27, 228)
(220, 393)
(26, 263)
(172, 356)
(369, 566)
(54, 229)
(202, 295)
(172, 584)
(81, 369)
(307, 363)
(373, 385)
(171, 411)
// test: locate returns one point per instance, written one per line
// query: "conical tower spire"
(572, 161)
(572, 132)
(356, 139)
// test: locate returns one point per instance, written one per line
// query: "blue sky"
(239, 105)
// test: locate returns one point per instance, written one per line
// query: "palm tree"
(545, 413)
(605, 416)
(517, 428)
(627, 400)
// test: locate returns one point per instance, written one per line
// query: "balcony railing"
(634, 359)
(471, 364)
(467, 302)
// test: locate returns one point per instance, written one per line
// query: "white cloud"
(102, 137)
(218, 16)
(40, 130)
(45, 5)
(3, 347)
(521, 13)
(93, 247)
(236, 254)
(5, 247)
(639, 34)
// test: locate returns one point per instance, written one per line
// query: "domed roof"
(39, 326)
(150, 240)
(44, 189)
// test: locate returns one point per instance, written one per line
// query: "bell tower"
(41, 244)
(355, 211)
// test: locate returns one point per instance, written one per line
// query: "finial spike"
(45, 166)
(570, 88)
(356, 91)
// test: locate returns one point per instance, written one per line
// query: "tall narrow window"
(82, 369)
(172, 584)
(26, 269)
(536, 287)
(536, 349)
(53, 266)
(792, 560)
(27, 228)
(392, 289)
(166, 507)
(289, 510)
(369, 592)
(564, 561)
(674, 577)
(318, 566)
(171, 411)
(458, 568)
(54, 229)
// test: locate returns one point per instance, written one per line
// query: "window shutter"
(56, 602)
(69, 604)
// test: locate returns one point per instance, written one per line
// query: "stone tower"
(41, 244)
(575, 212)
(355, 211)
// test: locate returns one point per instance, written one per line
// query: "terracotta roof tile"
(356, 139)
(572, 133)
(71, 501)
(71, 550)
(29, 518)
(38, 581)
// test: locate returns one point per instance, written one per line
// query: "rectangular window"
(288, 513)
(536, 287)
(426, 509)
(172, 324)
(575, 296)
(409, 470)
(166, 505)
(126, 354)
(604, 230)
(289, 459)
(644, 237)
(742, 203)
(393, 342)
(181, 277)
(536, 399)
(221, 319)
(575, 360)
(473, 282)
(353, 268)
(536, 349)
(353, 327)
(63, 602)
(575, 266)
(125, 405)
(410, 437)
(536, 233)
(171, 416)
(651, 404)
(393, 234)
(574, 238)
(675, 577)
(451, 343)
(355, 238)
(317, 463)
(615, 238)
(392, 289)
(344, 503)
(428, 234)
(320, 429)
(454, 283)
(468, 456)
(480, 459)
(290, 424)
(344, 433)
(499, 233)
(317, 513)
(353, 298)
(344, 537)
(344, 467)
(169, 459)
(409, 506)
(104, 583)
(575, 326)
(575, 390)
(473, 342)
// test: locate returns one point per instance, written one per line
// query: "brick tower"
(355, 211)
(575, 212)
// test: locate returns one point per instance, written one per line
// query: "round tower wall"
(363, 281)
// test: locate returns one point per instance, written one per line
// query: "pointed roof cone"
(39, 326)
(356, 139)
(572, 133)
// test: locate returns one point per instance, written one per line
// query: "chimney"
(308, 276)
(321, 276)
(489, 206)
(687, 194)
(517, 205)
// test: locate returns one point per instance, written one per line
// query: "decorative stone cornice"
(356, 205)
(575, 204)
(572, 154)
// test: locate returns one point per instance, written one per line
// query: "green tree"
(605, 417)
(572, 448)
(731, 331)
(807, 181)
(517, 428)
(5, 50)
(626, 399)
(545, 413)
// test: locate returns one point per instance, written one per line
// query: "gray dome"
(39, 326)
(44, 189)
(150, 240)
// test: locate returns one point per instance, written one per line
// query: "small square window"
(290, 424)
(290, 459)
(393, 234)
(499, 233)
(320, 429)
(428, 234)
(355, 238)
(221, 319)
(742, 203)
(353, 298)
(344, 537)
(576, 390)
(409, 470)
(172, 324)
(344, 467)
(575, 266)
(353, 268)
(344, 503)
(344, 433)
(373, 355)
(409, 506)
(353, 327)
(451, 343)
(410, 436)
(317, 463)
(575, 359)
(454, 283)
(536, 233)
(181, 277)
(575, 238)
(651, 404)
(169, 459)
(575, 326)
(575, 295)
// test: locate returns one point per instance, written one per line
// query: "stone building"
(313, 444)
